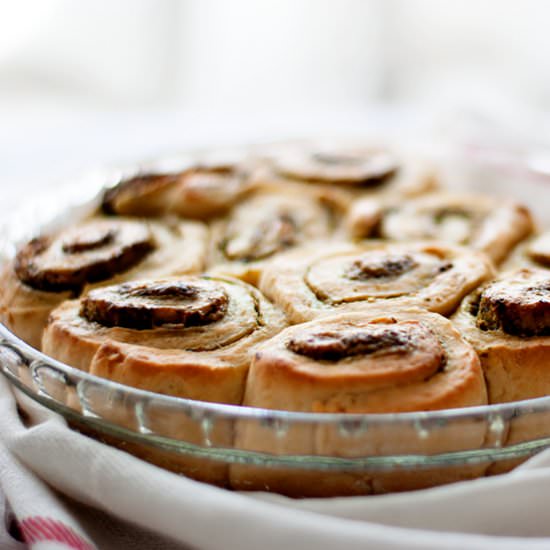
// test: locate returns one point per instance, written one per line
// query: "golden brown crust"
(322, 279)
(170, 373)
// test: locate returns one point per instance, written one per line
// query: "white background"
(94, 81)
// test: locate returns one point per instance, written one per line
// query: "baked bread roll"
(508, 323)
(53, 268)
(480, 222)
(358, 169)
(382, 360)
(320, 280)
(190, 336)
(200, 192)
(269, 221)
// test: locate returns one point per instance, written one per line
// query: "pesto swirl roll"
(55, 267)
(382, 360)
(201, 191)
(321, 280)
(270, 221)
(374, 361)
(480, 222)
(190, 336)
(359, 169)
(507, 321)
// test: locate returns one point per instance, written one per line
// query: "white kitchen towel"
(41, 519)
(42, 456)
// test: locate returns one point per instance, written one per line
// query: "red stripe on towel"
(40, 529)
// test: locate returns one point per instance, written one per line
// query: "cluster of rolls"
(329, 279)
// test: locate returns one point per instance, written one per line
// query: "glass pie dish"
(373, 453)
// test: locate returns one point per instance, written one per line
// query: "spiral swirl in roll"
(382, 360)
(316, 281)
(367, 362)
(477, 221)
(191, 336)
(53, 268)
(357, 169)
(91, 252)
(508, 323)
(352, 167)
(269, 222)
(200, 192)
